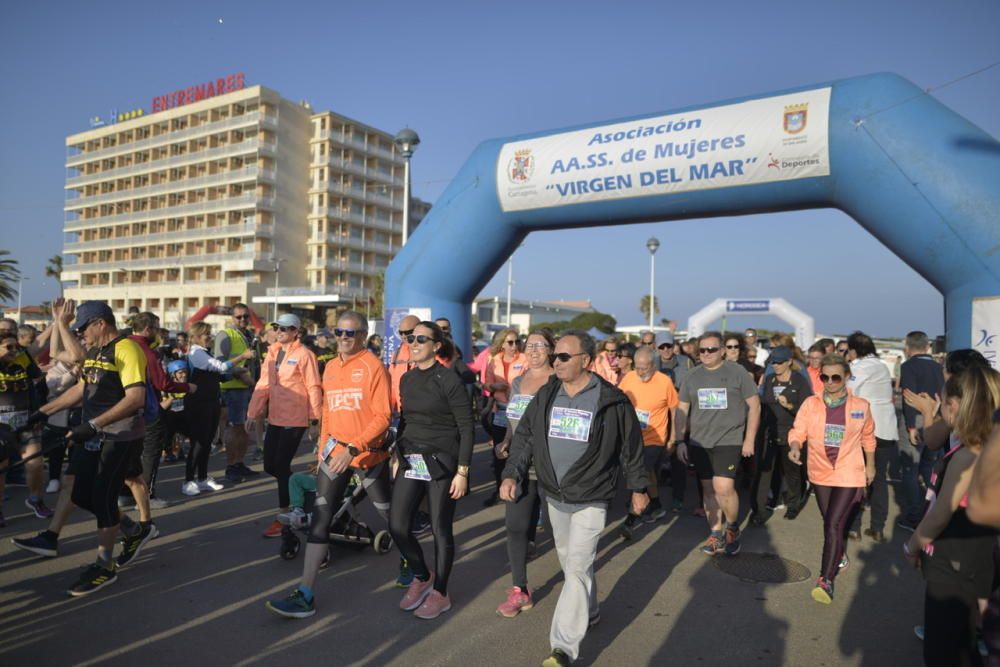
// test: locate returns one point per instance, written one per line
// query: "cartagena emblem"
(521, 167)
(795, 118)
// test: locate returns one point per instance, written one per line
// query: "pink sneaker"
(518, 600)
(416, 593)
(435, 605)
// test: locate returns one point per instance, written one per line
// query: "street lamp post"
(277, 267)
(407, 141)
(652, 245)
(20, 289)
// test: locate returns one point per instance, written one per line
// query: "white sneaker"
(53, 486)
(158, 504)
(190, 488)
(209, 484)
(296, 518)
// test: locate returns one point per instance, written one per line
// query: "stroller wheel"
(382, 543)
(290, 544)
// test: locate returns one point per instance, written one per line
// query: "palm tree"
(644, 306)
(54, 269)
(9, 274)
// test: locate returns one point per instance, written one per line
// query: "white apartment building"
(202, 201)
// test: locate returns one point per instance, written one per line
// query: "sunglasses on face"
(732, 347)
(836, 377)
(666, 346)
(86, 326)
(421, 339)
(344, 333)
(778, 363)
(563, 357)
(708, 350)
(241, 317)
(403, 333)
(282, 329)
(841, 351)
(510, 342)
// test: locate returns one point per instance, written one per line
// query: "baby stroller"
(346, 527)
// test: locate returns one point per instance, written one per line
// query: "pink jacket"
(292, 394)
(859, 436)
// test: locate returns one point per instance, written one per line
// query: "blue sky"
(462, 72)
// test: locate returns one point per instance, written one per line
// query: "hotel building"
(217, 196)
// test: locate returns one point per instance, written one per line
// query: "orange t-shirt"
(396, 370)
(356, 405)
(495, 372)
(652, 401)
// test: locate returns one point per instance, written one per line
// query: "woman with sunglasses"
(606, 364)
(435, 448)
(524, 511)
(291, 393)
(954, 554)
(626, 359)
(840, 431)
(504, 366)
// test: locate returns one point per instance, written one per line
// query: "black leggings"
(330, 496)
(950, 627)
(406, 496)
(99, 476)
(202, 426)
(497, 434)
(54, 440)
(837, 505)
(522, 523)
(280, 445)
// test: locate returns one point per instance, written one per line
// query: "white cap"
(289, 320)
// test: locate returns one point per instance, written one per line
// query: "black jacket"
(615, 444)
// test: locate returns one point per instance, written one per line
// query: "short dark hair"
(546, 333)
(240, 305)
(917, 340)
(587, 343)
(958, 361)
(818, 346)
(443, 319)
(143, 321)
(861, 343)
(710, 334)
(627, 350)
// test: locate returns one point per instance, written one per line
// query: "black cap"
(89, 311)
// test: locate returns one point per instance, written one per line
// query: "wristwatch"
(352, 449)
(463, 471)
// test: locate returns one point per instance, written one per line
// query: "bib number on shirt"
(570, 424)
(327, 448)
(643, 416)
(418, 468)
(713, 399)
(16, 420)
(500, 418)
(833, 435)
(518, 404)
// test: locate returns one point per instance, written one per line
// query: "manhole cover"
(763, 568)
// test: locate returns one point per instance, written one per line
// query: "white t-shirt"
(870, 380)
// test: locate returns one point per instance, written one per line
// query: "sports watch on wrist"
(352, 449)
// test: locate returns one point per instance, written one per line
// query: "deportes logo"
(521, 167)
(796, 116)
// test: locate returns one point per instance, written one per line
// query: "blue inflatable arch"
(922, 179)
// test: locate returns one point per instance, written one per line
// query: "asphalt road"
(198, 592)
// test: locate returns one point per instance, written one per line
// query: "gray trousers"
(576, 533)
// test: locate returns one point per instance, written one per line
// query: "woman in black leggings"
(201, 409)
(435, 449)
(523, 513)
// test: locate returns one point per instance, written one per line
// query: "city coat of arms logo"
(796, 116)
(521, 166)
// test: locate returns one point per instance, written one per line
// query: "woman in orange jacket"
(290, 393)
(841, 433)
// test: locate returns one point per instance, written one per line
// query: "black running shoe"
(93, 579)
(132, 545)
(246, 470)
(42, 544)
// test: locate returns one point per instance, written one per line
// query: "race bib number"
(518, 404)
(92, 445)
(500, 418)
(16, 420)
(833, 435)
(643, 416)
(418, 468)
(713, 399)
(778, 391)
(570, 424)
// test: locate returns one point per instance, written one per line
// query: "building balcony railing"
(176, 236)
(362, 170)
(246, 146)
(351, 142)
(357, 193)
(166, 262)
(354, 243)
(339, 265)
(366, 221)
(244, 201)
(227, 177)
(170, 137)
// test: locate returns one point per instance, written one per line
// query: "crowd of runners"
(574, 424)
